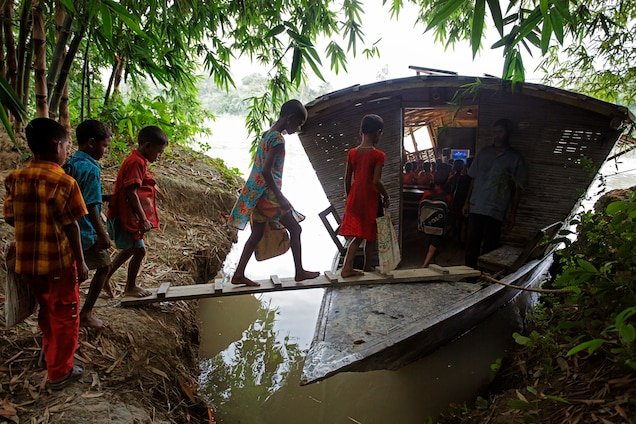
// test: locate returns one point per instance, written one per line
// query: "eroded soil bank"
(142, 367)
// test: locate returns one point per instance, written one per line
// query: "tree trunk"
(65, 118)
(25, 30)
(118, 75)
(85, 77)
(39, 62)
(66, 68)
(3, 69)
(64, 31)
(9, 42)
(109, 87)
(27, 69)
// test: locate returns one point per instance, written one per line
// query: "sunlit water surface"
(252, 348)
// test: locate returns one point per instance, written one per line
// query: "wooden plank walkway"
(169, 293)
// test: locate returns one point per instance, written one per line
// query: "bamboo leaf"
(301, 40)
(563, 6)
(546, 34)
(528, 25)
(313, 64)
(7, 124)
(544, 5)
(275, 31)
(131, 21)
(68, 5)
(478, 25)
(10, 99)
(107, 23)
(495, 12)
(295, 67)
(557, 24)
(440, 14)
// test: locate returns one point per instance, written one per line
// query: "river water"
(252, 348)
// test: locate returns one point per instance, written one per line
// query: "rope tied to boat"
(490, 279)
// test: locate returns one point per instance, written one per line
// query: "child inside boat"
(363, 189)
(434, 213)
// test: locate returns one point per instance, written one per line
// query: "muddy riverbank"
(143, 366)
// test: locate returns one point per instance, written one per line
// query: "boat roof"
(358, 91)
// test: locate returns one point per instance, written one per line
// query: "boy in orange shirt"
(132, 210)
(44, 204)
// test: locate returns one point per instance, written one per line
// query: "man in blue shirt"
(93, 139)
(498, 173)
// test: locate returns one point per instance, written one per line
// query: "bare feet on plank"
(306, 275)
(351, 273)
(243, 280)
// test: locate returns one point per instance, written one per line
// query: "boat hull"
(368, 328)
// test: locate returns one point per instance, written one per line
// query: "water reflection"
(255, 378)
(243, 376)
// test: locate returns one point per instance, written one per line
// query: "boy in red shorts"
(44, 204)
(132, 210)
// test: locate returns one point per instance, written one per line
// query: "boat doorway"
(432, 136)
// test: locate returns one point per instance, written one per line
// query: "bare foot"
(89, 320)
(108, 290)
(137, 292)
(424, 265)
(352, 273)
(306, 275)
(241, 279)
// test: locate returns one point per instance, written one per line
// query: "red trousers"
(58, 297)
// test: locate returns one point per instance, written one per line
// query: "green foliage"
(176, 111)
(597, 59)
(601, 264)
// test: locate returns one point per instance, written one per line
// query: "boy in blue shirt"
(93, 139)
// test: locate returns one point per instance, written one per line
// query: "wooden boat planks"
(199, 291)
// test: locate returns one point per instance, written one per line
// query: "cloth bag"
(274, 243)
(388, 246)
(19, 303)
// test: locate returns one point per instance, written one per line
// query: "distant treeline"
(233, 102)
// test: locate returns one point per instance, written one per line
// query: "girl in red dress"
(363, 188)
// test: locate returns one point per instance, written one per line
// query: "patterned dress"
(361, 209)
(256, 187)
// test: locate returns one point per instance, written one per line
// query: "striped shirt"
(41, 199)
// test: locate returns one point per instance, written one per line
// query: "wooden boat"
(564, 137)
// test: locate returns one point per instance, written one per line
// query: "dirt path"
(143, 366)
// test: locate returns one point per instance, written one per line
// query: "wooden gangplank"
(166, 292)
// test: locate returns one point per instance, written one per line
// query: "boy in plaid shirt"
(44, 204)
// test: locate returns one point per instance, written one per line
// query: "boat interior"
(564, 139)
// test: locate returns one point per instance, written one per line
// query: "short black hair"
(442, 173)
(153, 135)
(295, 108)
(371, 124)
(92, 128)
(506, 124)
(42, 132)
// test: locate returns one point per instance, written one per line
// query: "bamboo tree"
(9, 40)
(64, 116)
(3, 69)
(25, 30)
(59, 53)
(85, 79)
(65, 69)
(26, 82)
(39, 61)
